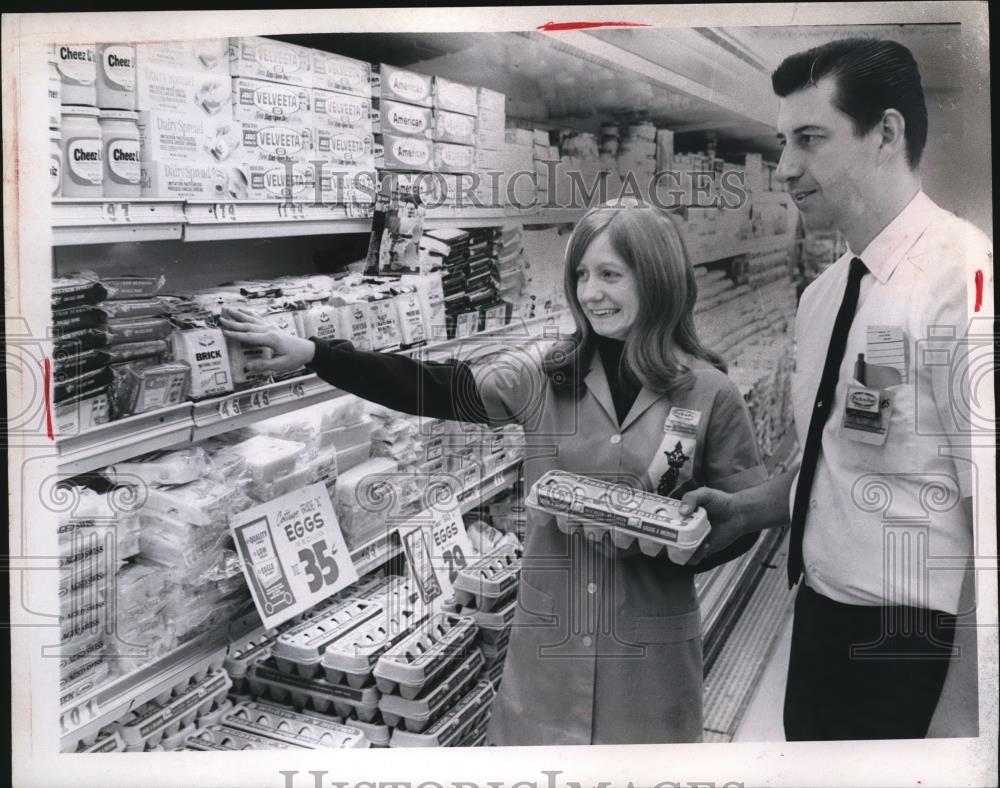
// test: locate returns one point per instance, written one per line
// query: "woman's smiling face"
(607, 289)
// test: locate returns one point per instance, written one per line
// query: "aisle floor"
(762, 719)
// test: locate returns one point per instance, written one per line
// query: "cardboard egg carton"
(303, 730)
(413, 664)
(106, 741)
(163, 718)
(318, 694)
(353, 657)
(415, 715)
(299, 651)
(493, 625)
(490, 581)
(219, 738)
(467, 716)
(376, 731)
(630, 515)
(241, 657)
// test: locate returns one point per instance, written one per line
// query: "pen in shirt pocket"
(859, 370)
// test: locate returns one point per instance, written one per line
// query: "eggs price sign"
(293, 553)
(437, 547)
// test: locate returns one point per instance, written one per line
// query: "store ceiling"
(693, 80)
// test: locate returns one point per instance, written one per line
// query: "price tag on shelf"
(293, 553)
(115, 212)
(358, 210)
(291, 211)
(436, 548)
(297, 390)
(225, 212)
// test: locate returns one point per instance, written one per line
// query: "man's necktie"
(820, 414)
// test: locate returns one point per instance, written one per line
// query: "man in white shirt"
(881, 507)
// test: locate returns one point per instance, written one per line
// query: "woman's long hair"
(648, 241)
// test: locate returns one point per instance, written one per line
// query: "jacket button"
(616, 439)
(588, 641)
(813, 503)
(591, 588)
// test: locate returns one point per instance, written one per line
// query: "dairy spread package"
(171, 89)
(208, 181)
(204, 55)
(187, 137)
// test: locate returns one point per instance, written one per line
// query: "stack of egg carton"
(96, 535)
(431, 691)
(487, 591)
(324, 665)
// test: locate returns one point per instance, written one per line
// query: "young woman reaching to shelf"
(605, 647)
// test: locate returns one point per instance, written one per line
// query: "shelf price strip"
(293, 553)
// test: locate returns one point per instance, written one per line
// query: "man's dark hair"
(871, 76)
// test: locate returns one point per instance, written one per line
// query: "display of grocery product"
(243, 119)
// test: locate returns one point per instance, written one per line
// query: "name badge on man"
(867, 414)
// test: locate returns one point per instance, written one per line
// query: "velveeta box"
(341, 74)
(491, 101)
(276, 180)
(342, 112)
(454, 127)
(275, 141)
(340, 185)
(454, 158)
(345, 148)
(404, 153)
(398, 84)
(395, 117)
(258, 101)
(455, 97)
(275, 61)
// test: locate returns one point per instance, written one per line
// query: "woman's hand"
(289, 353)
(724, 517)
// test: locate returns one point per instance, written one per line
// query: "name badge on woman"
(674, 459)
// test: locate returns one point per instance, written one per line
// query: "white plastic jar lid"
(74, 109)
(119, 114)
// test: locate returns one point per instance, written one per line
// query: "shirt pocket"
(899, 452)
(676, 628)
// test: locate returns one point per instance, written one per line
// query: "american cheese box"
(398, 84)
(395, 117)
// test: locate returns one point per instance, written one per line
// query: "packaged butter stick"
(86, 385)
(410, 316)
(143, 329)
(319, 320)
(76, 318)
(203, 347)
(76, 291)
(384, 322)
(353, 321)
(139, 307)
(69, 364)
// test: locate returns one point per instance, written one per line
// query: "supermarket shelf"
(553, 216)
(96, 220)
(221, 221)
(233, 411)
(125, 438)
(86, 716)
(771, 243)
(194, 421)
